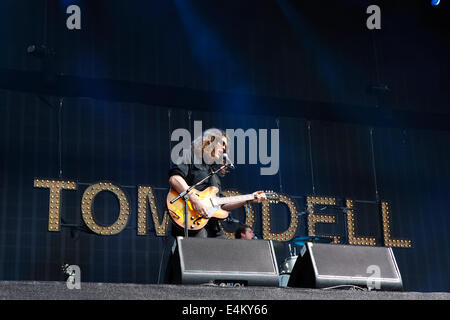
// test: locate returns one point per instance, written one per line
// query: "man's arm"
(233, 205)
(259, 197)
(178, 183)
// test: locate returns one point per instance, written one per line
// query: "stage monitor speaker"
(330, 265)
(227, 262)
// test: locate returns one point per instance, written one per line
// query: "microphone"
(228, 161)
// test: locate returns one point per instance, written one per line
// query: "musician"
(244, 232)
(206, 155)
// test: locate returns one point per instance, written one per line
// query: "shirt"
(193, 173)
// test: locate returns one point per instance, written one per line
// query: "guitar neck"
(234, 199)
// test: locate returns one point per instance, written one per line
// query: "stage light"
(145, 195)
(313, 218)
(55, 186)
(388, 241)
(266, 220)
(352, 238)
(435, 2)
(87, 203)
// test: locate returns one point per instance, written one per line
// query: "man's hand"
(198, 205)
(259, 196)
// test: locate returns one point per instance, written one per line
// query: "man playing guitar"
(207, 154)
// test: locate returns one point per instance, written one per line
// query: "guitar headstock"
(272, 196)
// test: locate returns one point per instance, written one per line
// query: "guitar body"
(195, 220)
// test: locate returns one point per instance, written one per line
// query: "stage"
(36, 290)
(315, 131)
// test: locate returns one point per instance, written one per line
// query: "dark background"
(105, 104)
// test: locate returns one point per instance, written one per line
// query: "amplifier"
(329, 265)
(227, 262)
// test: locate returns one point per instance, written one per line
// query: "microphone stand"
(185, 196)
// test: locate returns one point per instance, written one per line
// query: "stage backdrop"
(305, 52)
(87, 141)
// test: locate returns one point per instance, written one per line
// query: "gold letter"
(144, 193)
(352, 239)
(88, 200)
(54, 212)
(388, 242)
(320, 218)
(290, 232)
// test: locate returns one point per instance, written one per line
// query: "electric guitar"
(208, 196)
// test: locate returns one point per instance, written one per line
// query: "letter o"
(86, 208)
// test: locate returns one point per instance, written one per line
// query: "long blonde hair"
(206, 142)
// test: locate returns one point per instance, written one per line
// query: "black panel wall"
(129, 145)
(305, 52)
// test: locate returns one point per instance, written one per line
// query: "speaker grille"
(352, 261)
(217, 255)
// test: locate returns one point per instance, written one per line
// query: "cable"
(310, 158)
(279, 169)
(166, 238)
(350, 287)
(60, 173)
